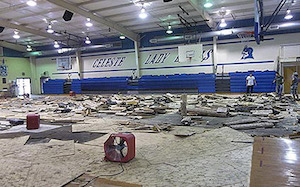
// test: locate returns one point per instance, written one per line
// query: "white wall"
(49, 65)
(163, 60)
(265, 56)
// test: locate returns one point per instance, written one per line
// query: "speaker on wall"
(68, 15)
(2, 29)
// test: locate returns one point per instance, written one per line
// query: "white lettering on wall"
(158, 58)
(206, 55)
(108, 62)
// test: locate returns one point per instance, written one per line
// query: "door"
(43, 80)
(24, 86)
(288, 72)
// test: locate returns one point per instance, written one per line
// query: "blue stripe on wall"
(64, 73)
(108, 54)
(258, 62)
(177, 67)
(109, 70)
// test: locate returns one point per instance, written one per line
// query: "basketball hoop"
(245, 36)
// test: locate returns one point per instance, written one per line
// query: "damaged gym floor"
(169, 150)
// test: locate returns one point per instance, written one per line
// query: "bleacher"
(204, 83)
(264, 81)
(54, 86)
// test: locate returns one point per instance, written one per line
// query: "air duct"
(70, 50)
(188, 37)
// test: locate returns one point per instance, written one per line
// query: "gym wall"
(232, 56)
(16, 68)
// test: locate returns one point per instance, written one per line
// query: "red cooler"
(72, 93)
(33, 121)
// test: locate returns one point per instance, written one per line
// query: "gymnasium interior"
(154, 93)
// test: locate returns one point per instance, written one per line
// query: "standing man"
(250, 81)
(294, 87)
(279, 84)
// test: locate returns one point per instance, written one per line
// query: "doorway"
(288, 71)
(24, 86)
(42, 81)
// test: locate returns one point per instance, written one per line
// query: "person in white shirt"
(250, 81)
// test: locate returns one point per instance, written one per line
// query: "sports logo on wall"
(3, 69)
(247, 53)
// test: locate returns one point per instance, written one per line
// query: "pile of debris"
(251, 112)
(257, 111)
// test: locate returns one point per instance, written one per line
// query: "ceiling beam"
(73, 8)
(4, 23)
(12, 8)
(13, 46)
(198, 6)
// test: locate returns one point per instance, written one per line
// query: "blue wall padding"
(54, 86)
(76, 86)
(205, 83)
(264, 81)
(104, 84)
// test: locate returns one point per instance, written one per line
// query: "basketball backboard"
(190, 53)
(258, 20)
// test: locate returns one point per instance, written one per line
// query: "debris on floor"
(176, 134)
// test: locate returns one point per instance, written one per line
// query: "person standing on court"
(250, 81)
(279, 84)
(294, 87)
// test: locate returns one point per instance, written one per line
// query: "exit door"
(24, 86)
(288, 71)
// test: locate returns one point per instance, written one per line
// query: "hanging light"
(31, 3)
(122, 37)
(29, 48)
(208, 4)
(288, 15)
(49, 29)
(88, 23)
(56, 45)
(223, 23)
(16, 34)
(169, 31)
(87, 40)
(143, 13)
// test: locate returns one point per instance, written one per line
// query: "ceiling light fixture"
(226, 32)
(169, 31)
(87, 40)
(29, 48)
(208, 4)
(143, 13)
(288, 15)
(223, 23)
(31, 3)
(122, 37)
(16, 34)
(56, 45)
(49, 29)
(88, 23)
